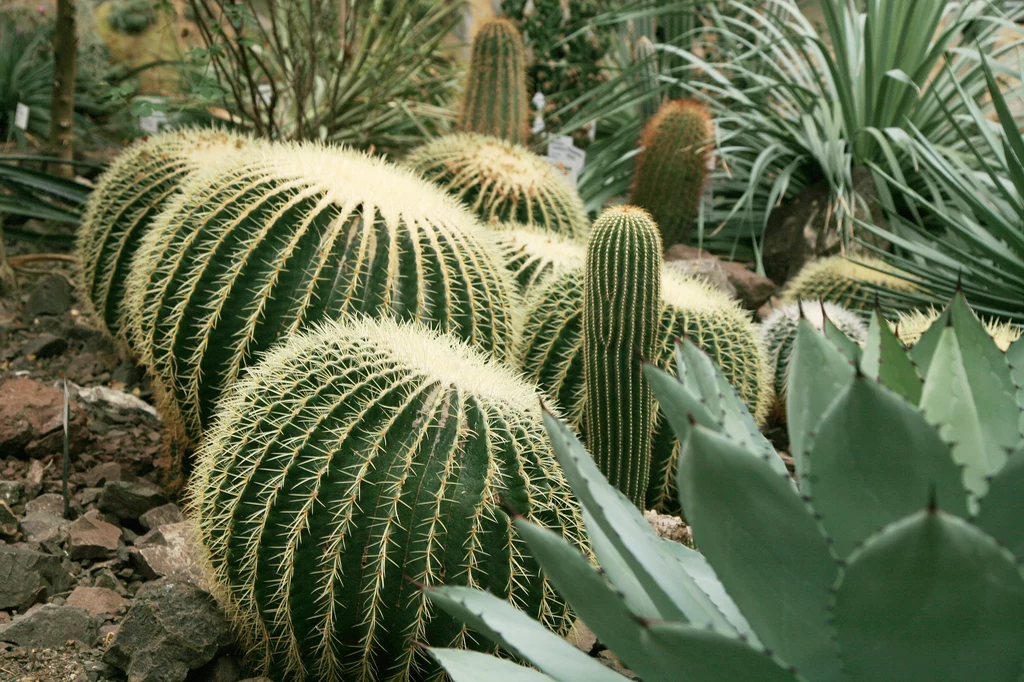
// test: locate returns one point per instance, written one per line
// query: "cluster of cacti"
(502, 182)
(621, 313)
(671, 171)
(353, 463)
(533, 256)
(778, 334)
(550, 354)
(126, 200)
(495, 102)
(897, 555)
(910, 325)
(854, 284)
(289, 235)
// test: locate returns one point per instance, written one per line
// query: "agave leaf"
(473, 666)
(886, 360)
(618, 571)
(765, 547)
(1002, 508)
(817, 373)
(687, 653)
(931, 598)
(1015, 358)
(844, 343)
(874, 460)
(503, 624)
(675, 594)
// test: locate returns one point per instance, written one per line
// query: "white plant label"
(566, 157)
(266, 91)
(21, 116)
(151, 124)
(538, 125)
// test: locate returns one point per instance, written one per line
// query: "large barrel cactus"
(357, 461)
(549, 353)
(853, 284)
(126, 200)
(502, 182)
(292, 235)
(533, 256)
(495, 101)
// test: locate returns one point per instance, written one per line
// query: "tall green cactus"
(853, 284)
(621, 312)
(495, 102)
(550, 354)
(126, 200)
(289, 235)
(357, 461)
(533, 256)
(672, 169)
(502, 182)
(645, 60)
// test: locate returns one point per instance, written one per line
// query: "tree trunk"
(62, 110)
(8, 281)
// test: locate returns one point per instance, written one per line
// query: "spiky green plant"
(355, 461)
(495, 101)
(502, 182)
(621, 314)
(124, 204)
(550, 354)
(533, 256)
(853, 284)
(778, 334)
(897, 557)
(292, 234)
(673, 167)
(911, 324)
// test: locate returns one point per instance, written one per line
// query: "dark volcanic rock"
(128, 500)
(50, 626)
(51, 296)
(27, 577)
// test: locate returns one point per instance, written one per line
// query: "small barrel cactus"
(354, 462)
(502, 182)
(778, 334)
(533, 256)
(495, 101)
(672, 169)
(292, 235)
(909, 326)
(621, 315)
(127, 198)
(550, 354)
(851, 284)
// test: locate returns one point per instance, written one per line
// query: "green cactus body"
(495, 102)
(355, 461)
(645, 58)
(852, 285)
(549, 354)
(533, 256)
(502, 182)
(291, 235)
(673, 167)
(124, 204)
(621, 311)
(778, 334)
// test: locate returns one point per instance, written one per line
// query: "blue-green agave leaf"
(766, 549)
(1015, 358)
(473, 666)
(841, 341)
(619, 571)
(874, 460)
(886, 360)
(504, 624)
(1002, 509)
(817, 373)
(933, 598)
(687, 653)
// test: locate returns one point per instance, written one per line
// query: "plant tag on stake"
(538, 120)
(151, 123)
(21, 116)
(266, 92)
(566, 157)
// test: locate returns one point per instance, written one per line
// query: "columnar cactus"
(354, 462)
(495, 101)
(909, 326)
(645, 60)
(550, 354)
(127, 198)
(291, 235)
(621, 312)
(502, 182)
(672, 169)
(533, 256)
(851, 284)
(778, 334)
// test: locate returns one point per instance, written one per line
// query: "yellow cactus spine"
(495, 102)
(852, 284)
(533, 256)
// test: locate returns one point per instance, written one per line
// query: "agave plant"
(33, 193)
(895, 555)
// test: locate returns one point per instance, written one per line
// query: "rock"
(93, 539)
(51, 296)
(101, 473)
(751, 288)
(11, 491)
(130, 500)
(117, 403)
(223, 669)
(27, 577)
(161, 516)
(51, 626)
(708, 269)
(31, 420)
(612, 661)
(735, 279)
(45, 346)
(669, 527)
(51, 503)
(768, 308)
(168, 552)
(34, 479)
(172, 627)
(8, 521)
(98, 601)
(44, 528)
(581, 637)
